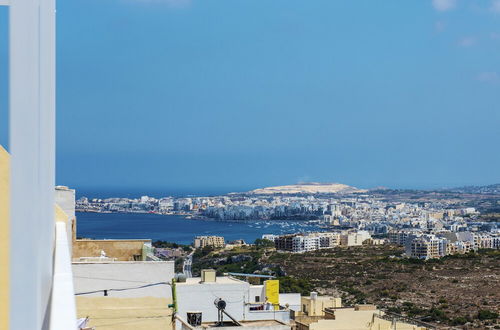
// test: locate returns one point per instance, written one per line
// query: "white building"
(35, 280)
(270, 237)
(123, 278)
(302, 243)
(354, 238)
(244, 301)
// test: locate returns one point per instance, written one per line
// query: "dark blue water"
(178, 229)
(155, 192)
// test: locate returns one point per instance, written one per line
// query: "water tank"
(180, 277)
(220, 304)
(314, 295)
(208, 275)
(194, 318)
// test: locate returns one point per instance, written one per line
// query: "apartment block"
(213, 241)
(426, 247)
(354, 238)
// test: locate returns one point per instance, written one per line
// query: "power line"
(105, 291)
(110, 279)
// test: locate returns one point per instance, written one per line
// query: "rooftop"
(269, 324)
(321, 298)
(219, 280)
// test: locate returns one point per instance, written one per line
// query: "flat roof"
(120, 262)
(114, 240)
(250, 275)
(219, 280)
(321, 298)
(246, 323)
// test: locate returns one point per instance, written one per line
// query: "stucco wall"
(292, 299)
(124, 279)
(260, 327)
(349, 319)
(257, 290)
(200, 297)
(108, 313)
(122, 250)
(317, 306)
(279, 315)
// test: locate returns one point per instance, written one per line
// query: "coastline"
(190, 216)
(178, 229)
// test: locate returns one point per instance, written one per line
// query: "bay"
(178, 229)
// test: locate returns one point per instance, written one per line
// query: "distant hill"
(308, 188)
(489, 189)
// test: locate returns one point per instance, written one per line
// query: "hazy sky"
(234, 94)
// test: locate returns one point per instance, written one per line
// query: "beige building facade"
(315, 305)
(214, 241)
(115, 249)
(360, 317)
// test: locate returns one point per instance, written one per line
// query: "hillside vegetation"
(454, 290)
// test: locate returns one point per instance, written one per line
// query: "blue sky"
(223, 94)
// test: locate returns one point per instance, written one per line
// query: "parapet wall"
(121, 250)
(4, 237)
(112, 313)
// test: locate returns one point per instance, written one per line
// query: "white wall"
(133, 275)
(256, 290)
(32, 147)
(247, 327)
(200, 297)
(292, 299)
(280, 315)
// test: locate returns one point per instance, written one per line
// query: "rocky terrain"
(453, 291)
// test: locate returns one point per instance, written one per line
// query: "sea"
(174, 228)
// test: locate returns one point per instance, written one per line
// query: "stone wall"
(121, 250)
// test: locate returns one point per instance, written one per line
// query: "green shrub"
(484, 314)
(436, 314)
(459, 320)
(263, 243)
(291, 284)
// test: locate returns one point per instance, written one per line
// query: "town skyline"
(271, 165)
(130, 192)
